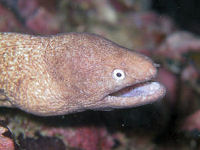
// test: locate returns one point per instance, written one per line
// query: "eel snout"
(136, 95)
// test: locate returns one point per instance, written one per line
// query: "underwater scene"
(99, 75)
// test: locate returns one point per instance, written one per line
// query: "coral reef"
(172, 123)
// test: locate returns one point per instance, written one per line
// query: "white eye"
(118, 74)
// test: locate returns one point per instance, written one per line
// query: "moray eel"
(73, 72)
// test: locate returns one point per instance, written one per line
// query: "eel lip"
(136, 95)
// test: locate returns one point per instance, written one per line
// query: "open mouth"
(140, 89)
(138, 94)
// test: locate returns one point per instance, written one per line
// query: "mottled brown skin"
(67, 73)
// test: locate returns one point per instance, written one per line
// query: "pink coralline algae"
(170, 81)
(87, 138)
(27, 8)
(8, 22)
(43, 22)
(190, 73)
(192, 122)
(178, 44)
(34, 18)
(153, 29)
(5, 142)
(38, 18)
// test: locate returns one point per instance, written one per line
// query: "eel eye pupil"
(118, 74)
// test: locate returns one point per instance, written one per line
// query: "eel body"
(66, 73)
